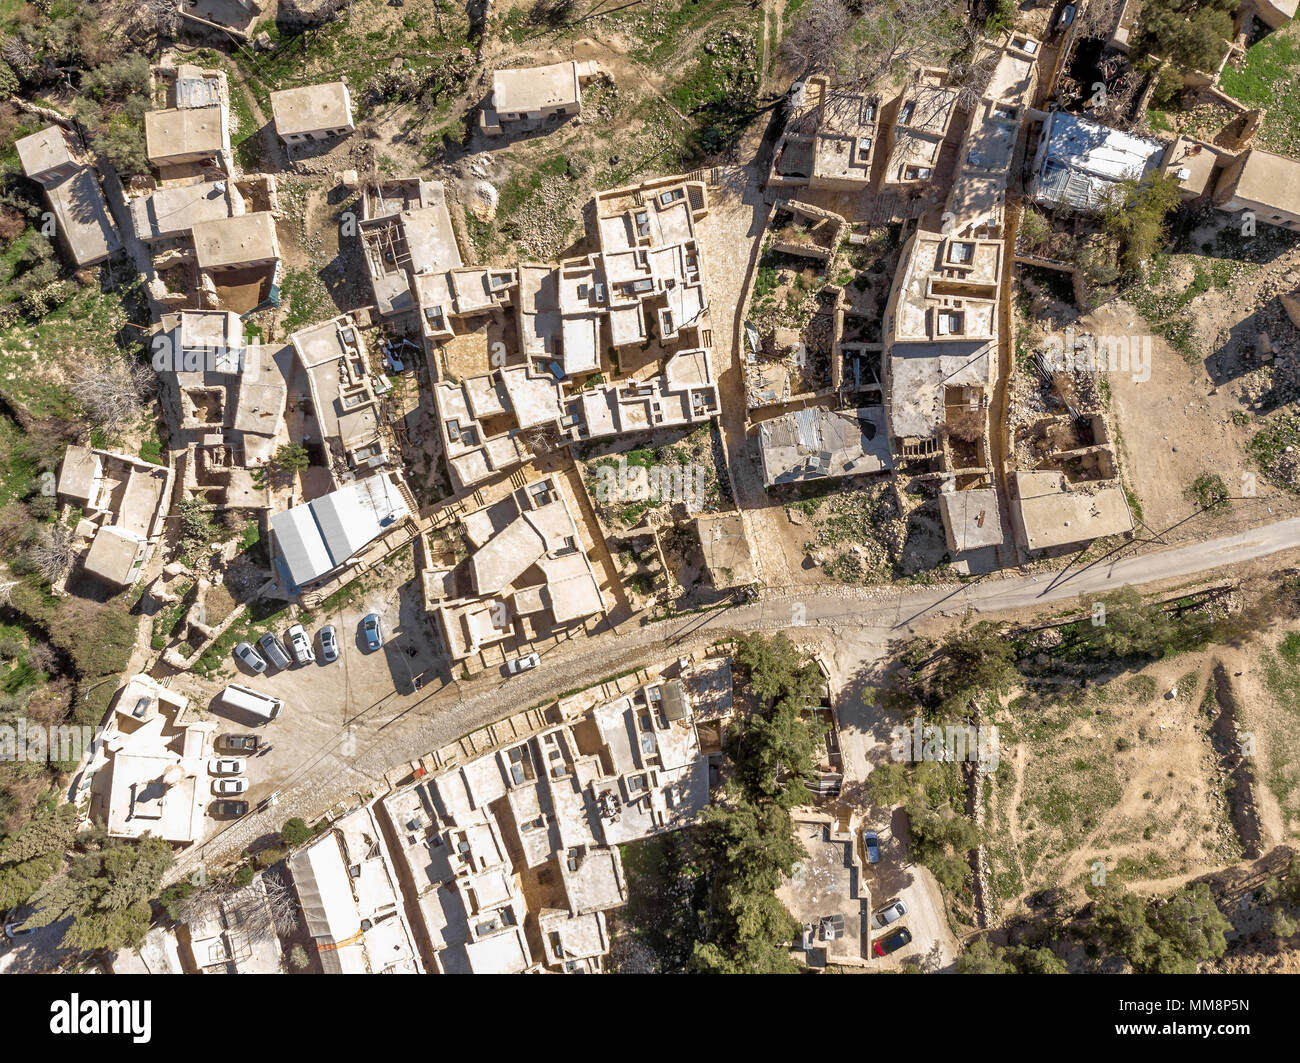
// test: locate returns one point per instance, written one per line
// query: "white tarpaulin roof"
(320, 535)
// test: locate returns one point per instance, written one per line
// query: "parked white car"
(227, 765)
(523, 664)
(226, 787)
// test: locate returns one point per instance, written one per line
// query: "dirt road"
(404, 727)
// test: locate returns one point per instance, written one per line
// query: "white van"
(242, 697)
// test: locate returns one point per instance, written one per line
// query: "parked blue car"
(372, 631)
(871, 842)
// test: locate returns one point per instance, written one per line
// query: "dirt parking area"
(332, 710)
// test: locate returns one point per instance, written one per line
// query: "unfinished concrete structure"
(942, 322)
(513, 346)
(312, 112)
(512, 859)
(405, 232)
(528, 97)
(829, 141)
(816, 443)
(84, 226)
(825, 894)
(341, 383)
(527, 576)
(225, 400)
(922, 117)
(124, 503)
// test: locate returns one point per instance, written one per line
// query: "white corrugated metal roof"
(322, 534)
(300, 544)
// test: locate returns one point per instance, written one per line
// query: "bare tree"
(895, 36)
(283, 904)
(16, 53)
(113, 390)
(53, 552)
(814, 44)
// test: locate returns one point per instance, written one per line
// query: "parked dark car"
(871, 843)
(274, 650)
(373, 631)
(895, 941)
(238, 743)
(229, 809)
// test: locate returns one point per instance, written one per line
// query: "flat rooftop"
(247, 239)
(1054, 513)
(536, 88)
(179, 131)
(84, 221)
(311, 108)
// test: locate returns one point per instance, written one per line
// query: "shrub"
(295, 832)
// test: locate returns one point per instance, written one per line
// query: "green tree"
(744, 850)
(105, 891)
(977, 660)
(982, 958)
(295, 832)
(1191, 34)
(289, 460)
(1135, 217)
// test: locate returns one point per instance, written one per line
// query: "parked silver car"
(329, 644)
(274, 650)
(250, 657)
(890, 913)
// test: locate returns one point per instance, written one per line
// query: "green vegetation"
(1163, 304)
(308, 298)
(1269, 77)
(1136, 219)
(1207, 490)
(169, 617)
(718, 92)
(295, 832)
(942, 680)
(933, 795)
(289, 460)
(704, 899)
(350, 46)
(1163, 936)
(105, 890)
(1269, 449)
(981, 957)
(1192, 34)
